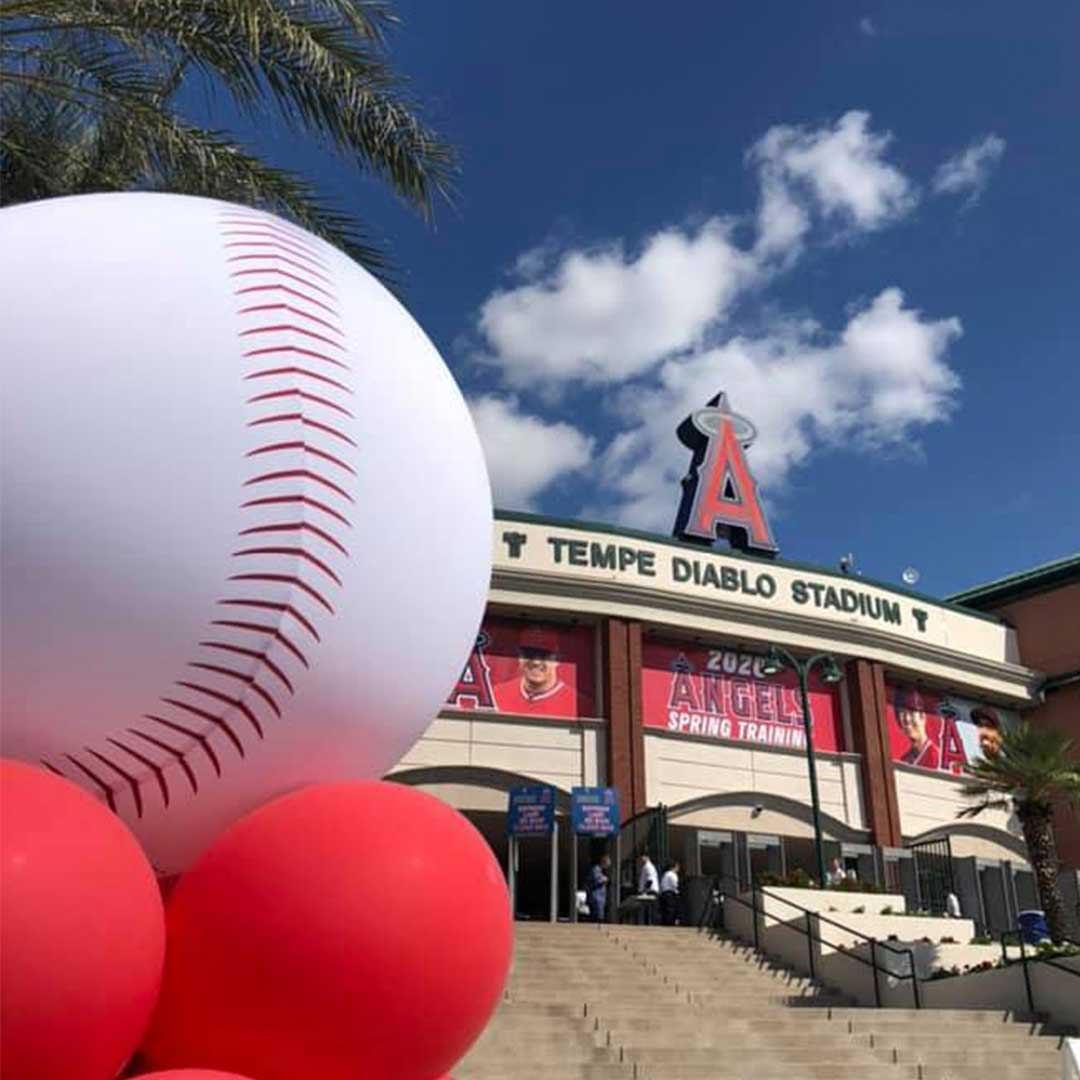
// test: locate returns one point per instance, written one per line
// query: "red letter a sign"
(719, 493)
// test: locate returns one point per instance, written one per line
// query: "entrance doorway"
(716, 856)
(766, 855)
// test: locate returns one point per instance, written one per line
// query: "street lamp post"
(775, 662)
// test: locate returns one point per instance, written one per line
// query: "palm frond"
(109, 70)
(1034, 766)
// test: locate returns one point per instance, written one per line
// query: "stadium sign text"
(713, 575)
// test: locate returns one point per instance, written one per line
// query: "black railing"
(1025, 960)
(811, 939)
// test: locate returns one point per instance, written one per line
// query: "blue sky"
(859, 219)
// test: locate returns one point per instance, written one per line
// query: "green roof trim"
(760, 560)
(1023, 583)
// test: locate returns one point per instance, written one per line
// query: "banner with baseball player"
(724, 694)
(940, 732)
(529, 669)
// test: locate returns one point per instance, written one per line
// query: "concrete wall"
(778, 902)
(682, 768)
(1056, 993)
(562, 754)
(930, 801)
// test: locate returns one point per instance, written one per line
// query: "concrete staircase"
(653, 1003)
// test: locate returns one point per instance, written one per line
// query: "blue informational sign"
(594, 811)
(532, 810)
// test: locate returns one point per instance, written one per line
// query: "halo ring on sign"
(708, 421)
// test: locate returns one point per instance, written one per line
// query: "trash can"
(1032, 926)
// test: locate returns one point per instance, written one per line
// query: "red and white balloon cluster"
(346, 930)
(226, 451)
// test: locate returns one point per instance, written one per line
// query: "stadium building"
(610, 657)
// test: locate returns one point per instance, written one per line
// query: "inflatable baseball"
(246, 530)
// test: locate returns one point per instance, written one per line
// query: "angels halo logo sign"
(719, 491)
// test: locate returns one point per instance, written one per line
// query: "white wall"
(563, 754)
(932, 800)
(681, 768)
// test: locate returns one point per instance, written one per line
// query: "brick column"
(637, 729)
(622, 692)
(866, 691)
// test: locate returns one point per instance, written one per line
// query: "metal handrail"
(831, 922)
(808, 934)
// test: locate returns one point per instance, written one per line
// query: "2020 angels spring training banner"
(529, 669)
(937, 731)
(724, 694)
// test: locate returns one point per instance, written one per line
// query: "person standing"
(835, 874)
(648, 887)
(598, 882)
(669, 895)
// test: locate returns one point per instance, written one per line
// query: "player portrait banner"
(529, 669)
(935, 730)
(723, 694)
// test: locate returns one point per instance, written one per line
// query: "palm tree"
(90, 100)
(1031, 772)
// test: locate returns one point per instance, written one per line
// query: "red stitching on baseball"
(286, 260)
(298, 474)
(201, 739)
(52, 768)
(282, 418)
(270, 350)
(280, 245)
(283, 259)
(301, 394)
(217, 721)
(235, 703)
(270, 224)
(289, 328)
(264, 230)
(109, 797)
(270, 605)
(261, 628)
(229, 673)
(292, 292)
(280, 500)
(299, 444)
(286, 579)
(178, 756)
(285, 274)
(299, 553)
(132, 783)
(261, 657)
(269, 373)
(296, 526)
(158, 771)
(296, 311)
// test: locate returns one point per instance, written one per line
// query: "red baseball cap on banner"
(540, 638)
(911, 697)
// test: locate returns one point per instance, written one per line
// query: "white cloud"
(650, 330)
(601, 316)
(969, 171)
(868, 26)
(873, 385)
(525, 453)
(841, 170)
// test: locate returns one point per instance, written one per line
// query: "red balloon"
(189, 1074)
(82, 932)
(342, 931)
